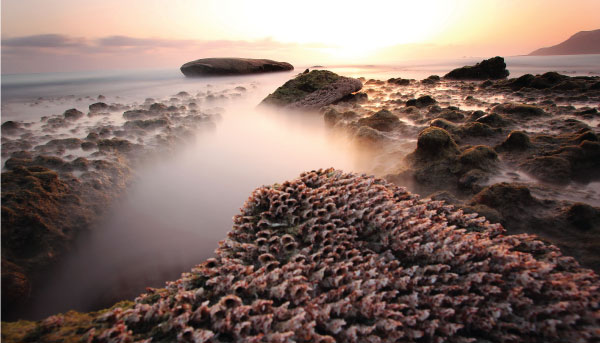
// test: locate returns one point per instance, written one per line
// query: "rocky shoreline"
(335, 257)
(523, 152)
(63, 172)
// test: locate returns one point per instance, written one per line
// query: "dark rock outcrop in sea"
(313, 90)
(232, 66)
(335, 257)
(583, 42)
(490, 69)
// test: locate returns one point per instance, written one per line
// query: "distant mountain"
(581, 43)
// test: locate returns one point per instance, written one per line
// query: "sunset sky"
(68, 35)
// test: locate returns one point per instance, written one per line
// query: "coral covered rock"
(334, 257)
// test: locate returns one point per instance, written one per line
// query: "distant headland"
(581, 43)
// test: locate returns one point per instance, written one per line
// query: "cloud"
(33, 53)
(44, 41)
(125, 41)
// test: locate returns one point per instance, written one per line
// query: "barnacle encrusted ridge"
(338, 257)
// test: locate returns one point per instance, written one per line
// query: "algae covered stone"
(313, 90)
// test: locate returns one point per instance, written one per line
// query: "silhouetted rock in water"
(493, 68)
(232, 66)
(98, 107)
(583, 42)
(399, 81)
(431, 80)
(10, 127)
(313, 90)
(335, 257)
(550, 80)
(423, 101)
(73, 114)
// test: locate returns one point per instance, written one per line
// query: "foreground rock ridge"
(232, 66)
(336, 257)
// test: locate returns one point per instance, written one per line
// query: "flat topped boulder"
(232, 66)
(493, 68)
(313, 90)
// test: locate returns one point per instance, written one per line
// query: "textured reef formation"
(335, 257)
(312, 90)
(524, 152)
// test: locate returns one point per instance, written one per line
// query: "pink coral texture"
(337, 257)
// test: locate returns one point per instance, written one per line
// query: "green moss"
(300, 86)
(73, 326)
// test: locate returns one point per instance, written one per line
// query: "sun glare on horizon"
(353, 30)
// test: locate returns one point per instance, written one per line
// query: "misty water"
(181, 204)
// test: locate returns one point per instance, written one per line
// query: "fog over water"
(181, 205)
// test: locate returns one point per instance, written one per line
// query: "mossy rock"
(300, 86)
(520, 111)
(443, 124)
(493, 119)
(70, 327)
(549, 168)
(475, 129)
(516, 140)
(434, 142)
(477, 157)
(383, 120)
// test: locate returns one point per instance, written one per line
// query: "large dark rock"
(232, 66)
(313, 90)
(493, 68)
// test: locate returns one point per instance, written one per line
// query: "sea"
(181, 205)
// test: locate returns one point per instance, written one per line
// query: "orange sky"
(61, 35)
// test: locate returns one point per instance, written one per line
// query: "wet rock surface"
(313, 90)
(335, 257)
(467, 136)
(61, 173)
(232, 66)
